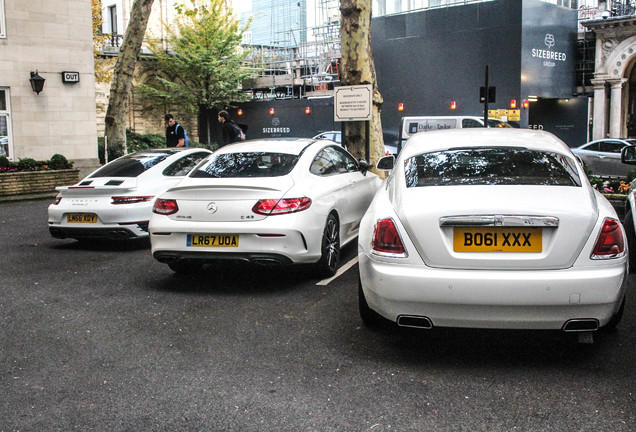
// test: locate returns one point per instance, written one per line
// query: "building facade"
(54, 41)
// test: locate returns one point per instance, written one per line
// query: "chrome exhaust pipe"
(414, 321)
(581, 325)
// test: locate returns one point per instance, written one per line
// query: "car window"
(611, 146)
(130, 166)
(498, 124)
(592, 146)
(246, 164)
(471, 123)
(185, 164)
(491, 166)
(333, 160)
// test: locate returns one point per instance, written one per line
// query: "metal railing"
(620, 8)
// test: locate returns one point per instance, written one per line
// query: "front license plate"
(497, 239)
(212, 240)
(81, 218)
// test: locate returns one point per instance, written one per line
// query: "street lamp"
(37, 82)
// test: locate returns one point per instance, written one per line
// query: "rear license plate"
(212, 240)
(81, 218)
(497, 239)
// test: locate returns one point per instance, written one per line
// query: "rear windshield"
(130, 166)
(498, 124)
(491, 166)
(248, 164)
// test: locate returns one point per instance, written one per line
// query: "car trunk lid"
(542, 227)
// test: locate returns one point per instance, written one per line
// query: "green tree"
(202, 67)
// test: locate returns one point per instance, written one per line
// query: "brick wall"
(21, 183)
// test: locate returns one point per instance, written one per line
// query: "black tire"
(630, 232)
(616, 318)
(330, 248)
(185, 266)
(369, 317)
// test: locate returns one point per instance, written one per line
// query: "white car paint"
(431, 284)
(94, 194)
(225, 206)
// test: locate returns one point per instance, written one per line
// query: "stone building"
(52, 40)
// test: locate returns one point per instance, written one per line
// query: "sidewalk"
(28, 197)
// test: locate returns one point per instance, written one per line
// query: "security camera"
(606, 14)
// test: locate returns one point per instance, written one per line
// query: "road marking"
(340, 271)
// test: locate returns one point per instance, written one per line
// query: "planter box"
(36, 182)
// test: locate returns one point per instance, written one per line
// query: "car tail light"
(386, 240)
(165, 206)
(130, 199)
(271, 207)
(57, 200)
(610, 242)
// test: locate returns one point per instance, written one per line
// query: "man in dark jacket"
(231, 131)
(175, 136)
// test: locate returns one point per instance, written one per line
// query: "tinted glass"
(611, 146)
(184, 165)
(471, 123)
(248, 164)
(130, 166)
(491, 166)
(497, 124)
(591, 147)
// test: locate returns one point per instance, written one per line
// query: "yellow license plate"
(212, 240)
(497, 239)
(81, 218)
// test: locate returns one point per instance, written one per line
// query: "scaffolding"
(302, 62)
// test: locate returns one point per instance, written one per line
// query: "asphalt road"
(103, 338)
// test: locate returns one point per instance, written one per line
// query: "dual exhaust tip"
(573, 325)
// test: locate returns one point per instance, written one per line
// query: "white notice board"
(352, 103)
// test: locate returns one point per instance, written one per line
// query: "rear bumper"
(170, 257)
(494, 299)
(114, 232)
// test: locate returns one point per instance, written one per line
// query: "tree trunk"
(115, 122)
(358, 68)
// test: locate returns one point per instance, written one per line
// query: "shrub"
(28, 164)
(4, 162)
(58, 162)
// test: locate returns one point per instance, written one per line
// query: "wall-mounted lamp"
(239, 112)
(453, 105)
(307, 110)
(37, 82)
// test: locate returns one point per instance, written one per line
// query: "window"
(332, 160)
(491, 166)
(3, 32)
(5, 123)
(611, 146)
(184, 165)
(246, 164)
(112, 13)
(131, 165)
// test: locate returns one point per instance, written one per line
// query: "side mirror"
(363, 166)
(628, 155)
(386, 163)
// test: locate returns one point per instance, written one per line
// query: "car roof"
(270, 145)
(483, 137)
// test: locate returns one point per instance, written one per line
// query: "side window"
(184, 165)
(471, 123)
(322, 164)
(342, 160)
(611, 146)
(3, 31)
(5, 124)
(592, 147)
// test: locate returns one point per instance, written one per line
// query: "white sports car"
(115, 202)
(492, 228)
(264, 201)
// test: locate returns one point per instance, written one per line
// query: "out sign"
(70, 77)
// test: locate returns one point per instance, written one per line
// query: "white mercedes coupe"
(115, 202)
(267, 202)
(492, 228)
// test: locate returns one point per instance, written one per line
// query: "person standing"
(231, 131)
(175, 135)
